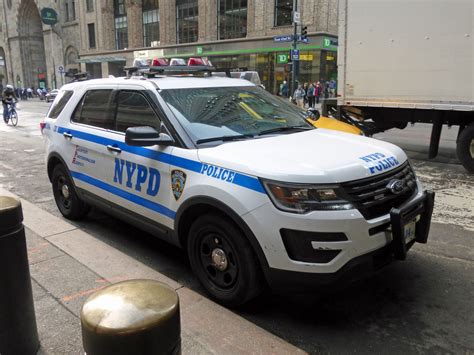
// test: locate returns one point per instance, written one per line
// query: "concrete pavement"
(67, 265)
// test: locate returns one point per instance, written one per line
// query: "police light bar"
(177, 61)
(159, 62)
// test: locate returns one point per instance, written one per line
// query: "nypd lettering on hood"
(379, 162)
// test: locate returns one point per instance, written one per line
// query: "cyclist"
(8, 98)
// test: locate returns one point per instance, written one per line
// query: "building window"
(121, 27)
(90, 5)
(151, 22)
(70, 10)
(232, 18)
(91, 29)
(283, 12)
(186, 21)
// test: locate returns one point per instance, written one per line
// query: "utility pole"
(295, 63)
(54, 65)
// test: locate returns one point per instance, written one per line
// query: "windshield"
(232, 111)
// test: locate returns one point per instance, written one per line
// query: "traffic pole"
(18, 331)
(294, 65)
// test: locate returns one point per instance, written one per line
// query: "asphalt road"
(422, 305)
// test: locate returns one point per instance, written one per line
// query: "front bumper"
(361, 255)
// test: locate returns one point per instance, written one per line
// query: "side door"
(88, 131)
(139, 176)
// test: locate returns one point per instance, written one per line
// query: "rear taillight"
(42, 126)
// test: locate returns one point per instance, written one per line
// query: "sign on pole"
(61, 69)
(295, 54)
(296, 17)
(49, 16)
(284, 38)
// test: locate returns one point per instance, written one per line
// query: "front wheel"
(223, 260)
(65, 195)
(14, 118)
(465, 148)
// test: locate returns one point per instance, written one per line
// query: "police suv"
(255, 194)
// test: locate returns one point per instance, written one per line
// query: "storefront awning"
(101, 59)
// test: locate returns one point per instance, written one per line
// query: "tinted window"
(59, 103)
(134, 110)
(95, 109)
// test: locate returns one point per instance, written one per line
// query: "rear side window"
(95, 109)
(59, 103)
(134, 110)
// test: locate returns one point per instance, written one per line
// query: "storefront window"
(186, 21)
(121, 27)
(232, 19)
(283, 12)
(151, 22)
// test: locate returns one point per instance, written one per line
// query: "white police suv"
(255, 194)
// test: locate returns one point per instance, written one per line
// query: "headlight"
(303, 198)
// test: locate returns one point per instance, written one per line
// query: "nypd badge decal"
(178, 180)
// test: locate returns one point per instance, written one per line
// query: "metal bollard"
(18, 332)
(132, 317)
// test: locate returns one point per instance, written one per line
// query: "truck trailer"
(403, 62)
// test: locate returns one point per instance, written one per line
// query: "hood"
(316, 156)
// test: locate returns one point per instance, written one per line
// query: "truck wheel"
(65, 195)
(465, 148)
(223, 260)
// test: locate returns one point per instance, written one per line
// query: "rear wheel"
(14, 118)
(465, 148)
(65, 195)
(223, 260)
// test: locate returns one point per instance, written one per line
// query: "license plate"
(409, 230)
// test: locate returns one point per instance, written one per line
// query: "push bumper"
(363, 266)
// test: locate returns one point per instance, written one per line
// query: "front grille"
(371, 195)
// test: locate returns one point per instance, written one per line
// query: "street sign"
(304, 40)
(49, 16)
(295, 54)
(282, 58)
(296, 17)
(199, 50)
(284, 38)
(61, 69)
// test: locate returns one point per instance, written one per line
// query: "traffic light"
(304, 33)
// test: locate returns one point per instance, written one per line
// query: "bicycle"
(12, 115)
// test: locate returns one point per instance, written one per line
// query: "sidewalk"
(67, 265)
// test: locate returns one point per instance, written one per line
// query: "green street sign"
(49, 16)
(282, 58)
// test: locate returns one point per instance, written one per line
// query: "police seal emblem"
(178, 180)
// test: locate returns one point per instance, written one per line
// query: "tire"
(236, 280)
(65, 195)
(465, 148)
(14, 118)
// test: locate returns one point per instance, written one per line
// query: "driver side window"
(134, 110)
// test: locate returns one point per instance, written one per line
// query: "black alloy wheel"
(223, 260)
(65, 195)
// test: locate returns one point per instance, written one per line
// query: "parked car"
(50, 96)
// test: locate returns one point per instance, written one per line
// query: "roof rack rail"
(180, 69)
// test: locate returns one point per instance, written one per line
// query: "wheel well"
(52, 162)
(190, 215)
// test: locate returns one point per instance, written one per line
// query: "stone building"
(103, 36)
(29, 49)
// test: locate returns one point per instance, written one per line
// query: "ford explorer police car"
(221, 168)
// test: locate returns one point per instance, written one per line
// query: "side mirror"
(145, 136)
(313, 113)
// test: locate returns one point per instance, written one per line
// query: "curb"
(206, 326)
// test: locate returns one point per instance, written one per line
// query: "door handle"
(111, 148)
(67, 135)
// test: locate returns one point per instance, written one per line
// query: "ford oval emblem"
(396, 186)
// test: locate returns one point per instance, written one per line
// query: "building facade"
(103, 36)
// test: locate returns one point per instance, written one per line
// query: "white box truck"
(403, 62)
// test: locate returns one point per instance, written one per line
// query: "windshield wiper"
(225, 138)
(284, 129)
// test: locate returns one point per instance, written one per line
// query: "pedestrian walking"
(298, 96)
(305, 97)
(310, 95)
(318, 91)
(284, 89)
